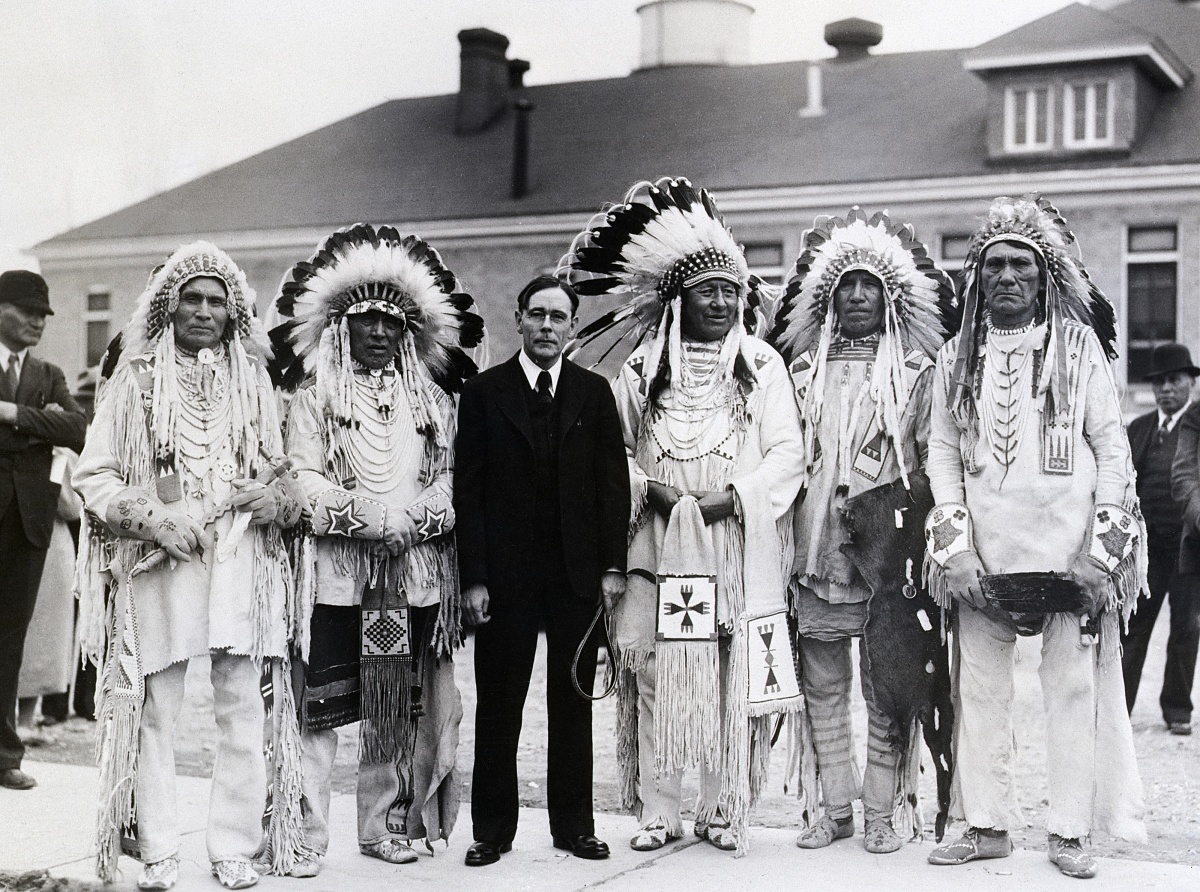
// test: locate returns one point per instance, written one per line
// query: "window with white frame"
(1151, 292)
(97, 319)
(765, 260)
(954, 247)
(1028, 118)
(1088, 114)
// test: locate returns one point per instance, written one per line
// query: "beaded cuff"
(948, 532)
(1114, 536)
(340, 513)
(432, 517)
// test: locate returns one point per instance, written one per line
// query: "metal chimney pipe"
(520, 169)
(816, 101)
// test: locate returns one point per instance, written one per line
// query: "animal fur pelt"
(904, 640)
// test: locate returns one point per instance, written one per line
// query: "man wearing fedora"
(1153, 439)
(37, 413)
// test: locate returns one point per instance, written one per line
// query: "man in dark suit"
(1153, 438)
(37, 413)
(541, 497)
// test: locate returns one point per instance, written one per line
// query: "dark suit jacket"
(494, 481)
(1185, 486)
(26, 449)
(1141, 434)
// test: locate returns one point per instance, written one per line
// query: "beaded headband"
(698, 267)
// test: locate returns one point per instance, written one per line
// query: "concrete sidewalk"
(50, 828)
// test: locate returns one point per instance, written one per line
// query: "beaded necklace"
(694, 412)
(378, 442)
(204, 432)
(1004, 406)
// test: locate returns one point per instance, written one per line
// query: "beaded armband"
(340, 513)
(948, 532)
(432, 517)
(1114, 536)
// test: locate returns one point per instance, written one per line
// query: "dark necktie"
(545, 397)
(11, 378)
(1162, 432)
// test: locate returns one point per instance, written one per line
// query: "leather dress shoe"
(481, 853)
(16, 779)
(583, 846)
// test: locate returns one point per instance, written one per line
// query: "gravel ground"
(1170, 765)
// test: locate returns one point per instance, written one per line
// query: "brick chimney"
(485, 81)
(853, 38)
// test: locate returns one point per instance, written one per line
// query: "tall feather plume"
(918, 301)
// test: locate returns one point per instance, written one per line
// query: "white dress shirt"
(532, 370)
(7, 356)
(1167, 422)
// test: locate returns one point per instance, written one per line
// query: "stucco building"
(1095, 106)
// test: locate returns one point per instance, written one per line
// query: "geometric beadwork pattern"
(385, 633)
(772, 674)
(687, 608)
(948, 532)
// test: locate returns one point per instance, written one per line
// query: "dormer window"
(1080, 82)
(1028, 118)
(1088, 114)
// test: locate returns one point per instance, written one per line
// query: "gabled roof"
(1078, 33)
(888, 117)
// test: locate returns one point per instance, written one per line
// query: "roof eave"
(1155, 56)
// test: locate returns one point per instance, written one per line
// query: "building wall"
(492, 273)
(493, 269)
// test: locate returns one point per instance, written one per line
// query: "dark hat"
(26, 290)
(1168, 358)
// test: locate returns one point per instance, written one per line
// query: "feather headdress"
(919, 297)
(158, 303)
(919, 306)
(362, 268)
(1067, 290)
(664, 237)
(150, 332)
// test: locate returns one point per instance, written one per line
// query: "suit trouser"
(660, 794)
(21, 566)
(827, 678)
(504, 653)
(985, 750)
(1180, 590)
(239, 780)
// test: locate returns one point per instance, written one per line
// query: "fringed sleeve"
(944, 464)
(116, 456)
(630, 394)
